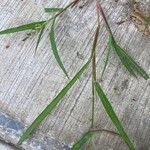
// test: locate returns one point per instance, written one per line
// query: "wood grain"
(28, 83)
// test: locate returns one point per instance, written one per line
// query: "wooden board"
(5, 146)
(28, 83)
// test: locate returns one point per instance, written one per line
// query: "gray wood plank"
(28, 83)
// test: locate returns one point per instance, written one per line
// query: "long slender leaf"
(106, 63)
(123, 59)
(134, 65)
(53, 10)
(54, 49)
(30, 26)
(39, 38)
(85, 138)
(113, 116)
(52, 105)
(127, 60)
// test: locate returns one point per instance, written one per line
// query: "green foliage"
(113, 116)
(30, 26)
(106, 63)
(54, 48)
(127, 60)
(48, 110)
(84, 139)
(39, 37)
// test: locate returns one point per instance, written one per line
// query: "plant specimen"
(128, 62)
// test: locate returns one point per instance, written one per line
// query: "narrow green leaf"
(134, 65)
(85, 138)
(39, 38)
(30, 26)
(127, 60)
(52, 105)
(113, 45)
(113, 116)
(53, 10)
(106, 63)
(54, 49)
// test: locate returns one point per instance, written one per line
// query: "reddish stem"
(103, 15)
(105, 130)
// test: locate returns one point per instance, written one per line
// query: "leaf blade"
(112, 44)
(54, 49)
(113, 116)
(52, 105)
(127, 60)
(30, 26)
(135, 66)
(106, 63)
(84, 139)
(39, 39)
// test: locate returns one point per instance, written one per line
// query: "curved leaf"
(54, 49)
(127, 60)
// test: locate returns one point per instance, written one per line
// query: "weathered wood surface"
(4, 146)
(28, 83)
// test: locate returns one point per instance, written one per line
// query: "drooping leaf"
(53, 104)
(127, 60)
(85, 138)
(39, 38)
(113, 116)
(30, 26)
(54, 49)
(53, 10)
